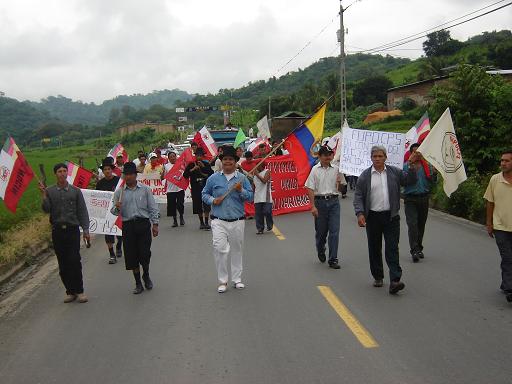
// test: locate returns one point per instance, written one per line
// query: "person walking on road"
(175, 195)
(136, 205)
(377, 205)
(499, 218)
(226, 192)
(68, 212)
(198, 172)
(109, 183)
(323, 185)
(416, 202)
(262, 199)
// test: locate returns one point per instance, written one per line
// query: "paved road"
(450, 325)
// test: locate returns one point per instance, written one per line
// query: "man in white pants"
(226, 192)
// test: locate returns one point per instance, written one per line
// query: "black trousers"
(380, 224)
(262, 213)
(175, 201)
(504, 243)
(137, 243)
(66, 243)
(416, 214)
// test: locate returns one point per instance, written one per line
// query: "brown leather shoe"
(82, 298)
(69, 298)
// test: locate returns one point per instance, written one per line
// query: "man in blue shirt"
(416, 202)
(226, 192)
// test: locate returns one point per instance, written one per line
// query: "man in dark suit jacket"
(377, 205)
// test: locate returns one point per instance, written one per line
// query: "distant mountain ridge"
(78, 112)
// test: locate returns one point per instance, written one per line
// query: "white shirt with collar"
(379, 193)
(322, 180)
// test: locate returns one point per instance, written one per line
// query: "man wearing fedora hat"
(139, 212)
(109, 183)
(226, 191)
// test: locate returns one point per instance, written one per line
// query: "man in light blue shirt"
(139, 212)
(226, 192)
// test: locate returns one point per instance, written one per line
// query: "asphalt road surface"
(297, 321)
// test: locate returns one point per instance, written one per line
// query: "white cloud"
(95, 49)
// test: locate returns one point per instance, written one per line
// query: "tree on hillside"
(481, 106)
(431, 67)
(371, 90)
(439, 43)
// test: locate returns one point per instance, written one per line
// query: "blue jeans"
(262, 213)
(328, 222)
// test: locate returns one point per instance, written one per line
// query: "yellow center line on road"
(359, 331)
(278, 233)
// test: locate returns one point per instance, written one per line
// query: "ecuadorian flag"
(301, 142)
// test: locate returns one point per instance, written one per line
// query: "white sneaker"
(239, 285)
(222, 288)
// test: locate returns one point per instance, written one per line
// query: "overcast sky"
(92, 50)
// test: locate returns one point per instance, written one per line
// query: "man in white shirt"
(175, 195)
(377, 205)
(262, 199)
(323, 184)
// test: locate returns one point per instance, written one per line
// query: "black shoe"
(321, 257)
(509, 297)
(138, 289)
(175, 223)
(269, 229)
(415, 258)
(260, 232)
(421, 255)
(147, 282)
(207, 227)
(202, 226)
(119, 253)
(182, 222)
(112, 260)
(378, 283)
(395, 287)
(334, 265)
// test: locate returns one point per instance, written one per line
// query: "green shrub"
(466, 202)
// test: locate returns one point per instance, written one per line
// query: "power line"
(423, 34)
(305, 46)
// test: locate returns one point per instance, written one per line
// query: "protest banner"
(356, 149)
(288, 197)
(157, 186)
(101, 221)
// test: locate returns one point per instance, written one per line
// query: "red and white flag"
(78, 176)
(175, 174)
(204, 139)
(116, 150)
(15, 174)
(256, 143)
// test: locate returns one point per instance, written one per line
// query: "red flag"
(175, 174)
(78, 176)
(21, 177)
(204, 140)
(116, 150)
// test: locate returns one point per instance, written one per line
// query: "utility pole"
(269, 105)
(343, 87)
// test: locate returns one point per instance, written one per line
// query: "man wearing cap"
(323, 185)
(66, 206)
(118, 169)
(198, 172)
(109, 183)
(226, 192)
(136, 205)
(154, 167)
(175, 195)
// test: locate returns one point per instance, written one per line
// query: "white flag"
(263, 128)
(441, 149)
